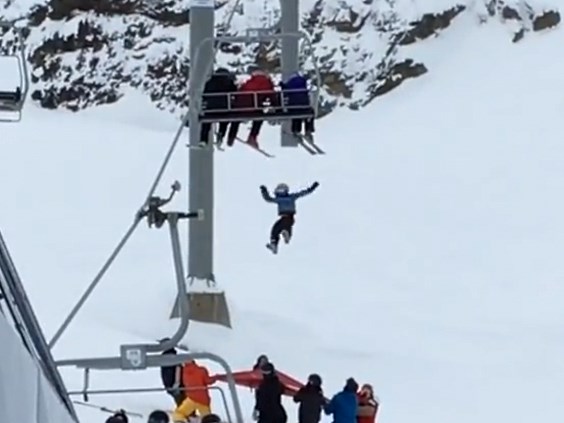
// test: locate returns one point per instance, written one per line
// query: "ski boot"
(286, 236)
(272, 247)
(252, 141)
(309, 137)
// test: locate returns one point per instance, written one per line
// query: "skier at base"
(286, 202)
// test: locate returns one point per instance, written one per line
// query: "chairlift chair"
(276, 109)
(12, 102)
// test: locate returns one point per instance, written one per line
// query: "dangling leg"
(205, 133)
(222, 130)
(253, 135)
(232, 135)
(309, 129)
(287, 225)
(275, 235)
(296, 126)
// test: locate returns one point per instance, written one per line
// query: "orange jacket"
(194, 376)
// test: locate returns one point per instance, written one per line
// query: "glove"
(255, 415)
(263, 188)
(315, 185)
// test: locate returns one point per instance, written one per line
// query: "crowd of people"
(257, 97)
(188, 386)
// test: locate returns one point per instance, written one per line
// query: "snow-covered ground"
(427, 263)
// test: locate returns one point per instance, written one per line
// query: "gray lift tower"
(207, 303)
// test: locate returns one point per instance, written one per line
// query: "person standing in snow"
(367, 405)
(158, 416)
(196, 380)
(311, 400)
(119, 417)
(261, 361)
(286, 202)
(171, 377)
(268, 398)
(296, 98)
(343, 406)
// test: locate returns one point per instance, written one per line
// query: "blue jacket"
(299, 97)
(287, 203)
(343, 407)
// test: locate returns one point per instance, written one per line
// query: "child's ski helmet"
(281, 189)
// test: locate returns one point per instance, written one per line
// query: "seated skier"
(216, 97)
(286, 202)
(257, 98)
(295, 95)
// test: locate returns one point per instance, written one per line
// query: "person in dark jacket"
(158, 416)
(268, 398)
(261, 361)
(217, 92)
(171, 377)
(311, 400)
(286, 202)
(296, 99)
(343, 406)
(119, 417)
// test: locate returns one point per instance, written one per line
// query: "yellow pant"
(184, 410)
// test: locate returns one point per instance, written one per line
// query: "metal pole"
(200, 242)
(183, 305)
(93, 284)
(290, 22)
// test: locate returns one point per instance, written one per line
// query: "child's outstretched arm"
(265, 194)
(306, 191)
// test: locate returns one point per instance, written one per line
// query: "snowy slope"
(427, 263)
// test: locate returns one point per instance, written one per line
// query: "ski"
(258, 149)
(310, 143)
(310, 147)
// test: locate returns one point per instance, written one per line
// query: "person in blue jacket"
(343, 406)
(296, 97)
(286, 202)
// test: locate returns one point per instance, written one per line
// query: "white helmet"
(281, 189)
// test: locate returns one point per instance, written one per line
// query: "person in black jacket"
(311, 400)
(268, 398)
(171, 377)
(221, 82)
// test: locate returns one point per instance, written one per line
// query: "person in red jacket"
(367, 405)
(264, 102)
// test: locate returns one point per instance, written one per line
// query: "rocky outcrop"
(430, 24)
(521, 17)
(106, 47)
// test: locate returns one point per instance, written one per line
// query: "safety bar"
(85, 394)
(275, 98)
(160, 360)
(253, 35)
(16, 103)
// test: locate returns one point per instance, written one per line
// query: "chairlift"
(136, 358)
(12, 102)
(271, 106)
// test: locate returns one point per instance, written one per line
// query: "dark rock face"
(430, 24)
(108, 46)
